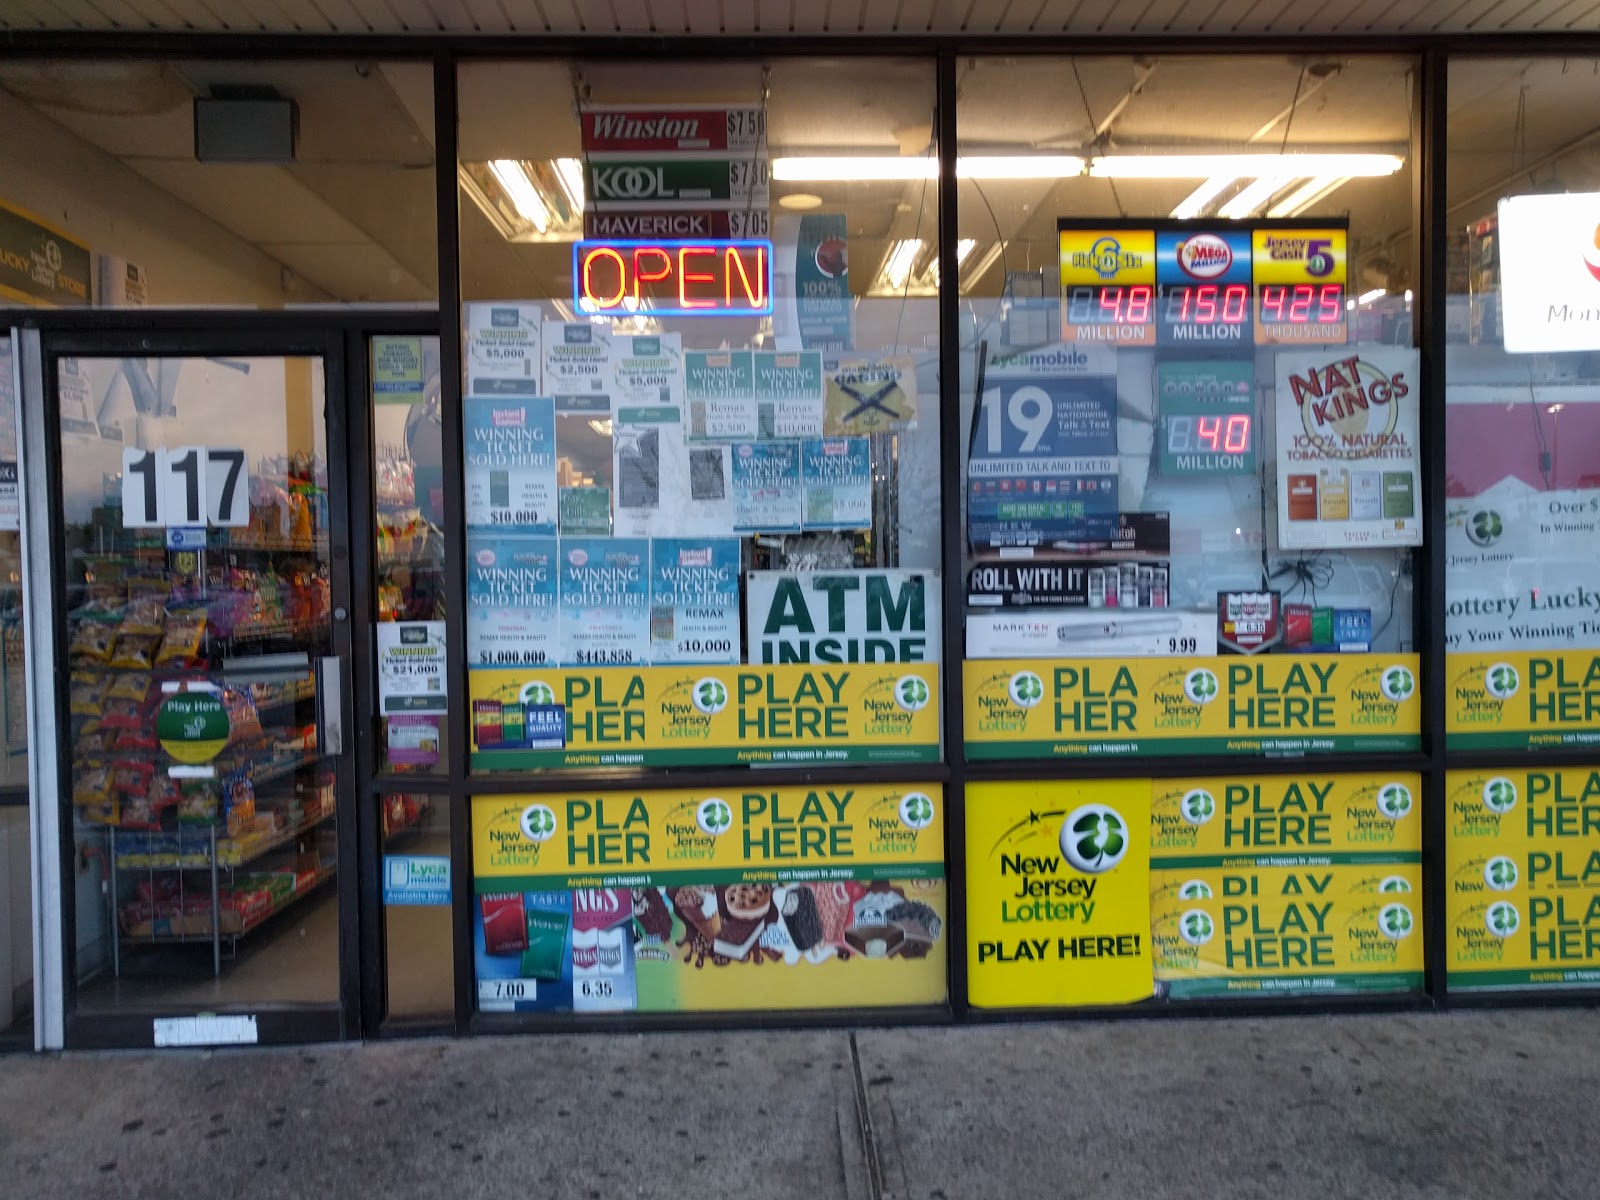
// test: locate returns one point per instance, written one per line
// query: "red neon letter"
(588, 270)
(639, 276)
(732, 261)
(685, 278)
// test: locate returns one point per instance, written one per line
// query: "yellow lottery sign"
(529, 717)
(1300, 285)
(1329, 819)
(1108, 281)
(1276, 930)
(1522, 865)
(556, 842)
(1058, 905)
(1302, 703)
(1516, 700)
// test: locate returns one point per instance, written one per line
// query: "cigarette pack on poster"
(1081, 633)
(1249, 622)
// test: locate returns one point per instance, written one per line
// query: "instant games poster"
(503, 343)
(577, 359)
(694, 600)
(1349, 451)
(720, 385)
(605, 601)
(788, 394)
(767, 494)
(836, 476)
(512, 616)
(511, 463)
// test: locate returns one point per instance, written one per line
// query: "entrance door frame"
(340, 338)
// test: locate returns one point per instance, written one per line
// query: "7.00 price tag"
(185, 486)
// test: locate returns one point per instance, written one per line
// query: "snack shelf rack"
(215, 856)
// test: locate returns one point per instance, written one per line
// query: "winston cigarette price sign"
(860, 712)
(1522, 862)
(1058, 900)
(1289, 704)
(1521, 700)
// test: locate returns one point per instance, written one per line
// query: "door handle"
(330, 704)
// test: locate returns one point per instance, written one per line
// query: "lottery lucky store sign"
(1277, 704)
(530, 717)
(1522, 865)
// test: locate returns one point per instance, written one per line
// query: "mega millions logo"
(1348, 407)
(1204, 256)
(1591, 254)
(1094, 838)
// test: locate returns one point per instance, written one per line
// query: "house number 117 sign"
(184, 486)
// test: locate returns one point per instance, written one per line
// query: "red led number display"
(1110, 305)
(1303, 303)
(1208, 304)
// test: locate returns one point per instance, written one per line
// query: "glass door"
(203, 644)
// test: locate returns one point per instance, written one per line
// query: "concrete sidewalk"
(1491, 1105)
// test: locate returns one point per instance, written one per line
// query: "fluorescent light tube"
(1203, 195)
(521, 191)
(1249, 166)
(864, 167)
(1257, 194)
(1307, 194)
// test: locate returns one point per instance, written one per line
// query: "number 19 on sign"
(184, 486)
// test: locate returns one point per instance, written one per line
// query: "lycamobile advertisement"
(1288, 885)
(512, 617)
(604, 585)
(668, 901)
(836, 478)
(871, 616)
(1523, 878)
(694, 600)
(503, 343)
(720, 386)
(1518, 700)
(1348, 448)
(788, 389)
(1058, 898)
(1288, 705)
(511, 463)
(767, 497)
(577, 359)
(661, 716)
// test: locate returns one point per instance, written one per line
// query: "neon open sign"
(673, 279)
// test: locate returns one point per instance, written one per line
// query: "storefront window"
(1522, 482)
(16, 879)
(1189, 386)
(701, 414)
(262, 184)
(702, 472)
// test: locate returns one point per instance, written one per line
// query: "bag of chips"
(135, 652)
(186, 632)
(92, 641)
(87, 694)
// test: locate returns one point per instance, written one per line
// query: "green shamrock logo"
(1395, 921)
(538, 823)
(1094, 838)
(1397, 683)
(1196, 927)
(1500, 874)
(916, 811)
(1198, 806)
(1502, 681)
(1499, 795)
(1503, 919)
(710, 695)
(1394, 883)
(713, 816)
(538, 692)
(1201, 686)
(1484, 527)
(911, 693)
(1026, 689)
(1394, 800)
(1195, 889)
